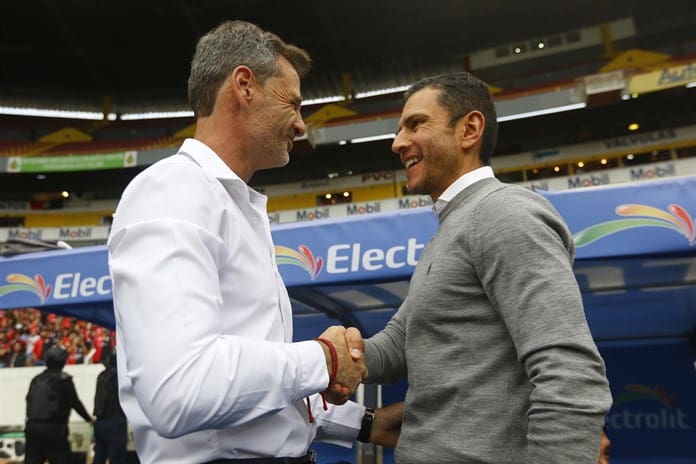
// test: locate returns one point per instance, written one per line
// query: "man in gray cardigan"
(492, 337)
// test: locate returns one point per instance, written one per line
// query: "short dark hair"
(461, 93)
(56, 357)
(232, 44)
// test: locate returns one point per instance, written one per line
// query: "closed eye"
(414, 123)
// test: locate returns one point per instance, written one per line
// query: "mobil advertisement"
(654, 411)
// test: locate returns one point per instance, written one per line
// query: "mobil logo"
(312, 214)
(588, 181)
(366, 208)
(665, 170)
(407, 203)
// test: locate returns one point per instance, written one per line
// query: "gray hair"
(232, 44)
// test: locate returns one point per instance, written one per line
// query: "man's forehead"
(424, 96)
(422, 101)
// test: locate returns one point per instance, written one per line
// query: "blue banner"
(631, 219)
(654, 412)
(639, 220)
(55, 278)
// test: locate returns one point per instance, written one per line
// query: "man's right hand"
(351, 366)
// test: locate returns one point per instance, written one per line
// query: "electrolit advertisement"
(653, 385)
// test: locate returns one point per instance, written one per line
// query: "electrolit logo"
(351, 257)
(72, 285)
(303, 258)
(24, 283)
(675, 218)
(66, 285)
(667, 416)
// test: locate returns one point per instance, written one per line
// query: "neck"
(228, 147)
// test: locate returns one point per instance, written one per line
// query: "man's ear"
(242, 84)
(470, 129)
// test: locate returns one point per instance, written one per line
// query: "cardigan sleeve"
(385, 353)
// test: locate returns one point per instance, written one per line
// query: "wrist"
(331, 358)
(366, 425)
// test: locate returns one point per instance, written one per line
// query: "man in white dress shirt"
(206, 365)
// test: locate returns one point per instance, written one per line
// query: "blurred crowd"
(27, 333)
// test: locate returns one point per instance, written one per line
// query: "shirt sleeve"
(186, 371)
(338, 425)
(524, 251)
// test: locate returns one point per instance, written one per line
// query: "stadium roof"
(135, 54)
(138, 51)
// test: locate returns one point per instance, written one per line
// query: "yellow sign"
(327, 113)
(65, 135)
(663, 79)
(636, 58)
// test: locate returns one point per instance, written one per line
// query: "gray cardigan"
(492, 336)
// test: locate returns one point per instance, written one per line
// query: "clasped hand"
(351, 362)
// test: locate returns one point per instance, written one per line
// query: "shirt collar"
(213, 164)
(208, 159)
(460, 184)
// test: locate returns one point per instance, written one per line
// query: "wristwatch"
(366, 425)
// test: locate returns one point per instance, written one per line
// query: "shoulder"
(509, 203)
(176, 188)
(506, 194)
(174, 171)
(513, 213)
(108, 372)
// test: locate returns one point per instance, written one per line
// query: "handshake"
(345, 362)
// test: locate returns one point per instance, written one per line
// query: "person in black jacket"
(110, 428)
(50, 398)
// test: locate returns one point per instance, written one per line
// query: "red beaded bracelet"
(332, 375)
(334, 359)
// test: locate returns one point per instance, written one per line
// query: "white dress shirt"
(460, 184)
(206, 365)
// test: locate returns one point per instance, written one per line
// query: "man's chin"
(414, 189)
(285, 160)
(281, 160)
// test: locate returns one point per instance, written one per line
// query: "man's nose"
(399, 144)
(299, 126)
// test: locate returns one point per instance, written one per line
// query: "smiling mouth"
(412, 162)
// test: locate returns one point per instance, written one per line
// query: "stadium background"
(112, 60)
